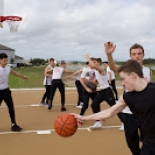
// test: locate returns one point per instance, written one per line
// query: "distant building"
(12, 58)
(19, 59)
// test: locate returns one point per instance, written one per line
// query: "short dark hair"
(51, 59)
(105, 62)
(3, 55)
(62, 62)
(92, 58)
(131, 66)
(135, 46)
(99, 60)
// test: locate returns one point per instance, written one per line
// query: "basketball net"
(13, 25)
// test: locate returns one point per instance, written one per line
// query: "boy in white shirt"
(5, 92)
(47, 82)
(111, 79)
(58, 83)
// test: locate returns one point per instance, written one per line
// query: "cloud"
(69, 28)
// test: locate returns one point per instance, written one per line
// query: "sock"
(13, 124)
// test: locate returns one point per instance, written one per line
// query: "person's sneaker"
(96, 125)
(79, 122)
(42, 104)
(46, 105)
(16, 128)
(63, 109)
(49, 106)
(81, 103)
(79, 106)
(122, 127)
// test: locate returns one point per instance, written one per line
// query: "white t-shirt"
(79, 75)
(57, 73)
(4, 75)
(146, 73)
(89, 74)
(48, 80)
(112, 73)
(102, 80)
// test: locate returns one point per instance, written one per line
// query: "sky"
(67, 29)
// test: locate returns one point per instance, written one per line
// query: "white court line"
(66, 88)
(24, 131)
(48, 131)
(37, 105)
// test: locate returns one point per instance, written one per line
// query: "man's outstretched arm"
(104, 114)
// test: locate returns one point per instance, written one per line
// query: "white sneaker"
(96, 125)
(79, 106)
(81, 103)
(122, 127)
(42, 104)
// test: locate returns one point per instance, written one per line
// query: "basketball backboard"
(1, 10)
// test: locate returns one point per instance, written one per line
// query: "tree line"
(40, 61)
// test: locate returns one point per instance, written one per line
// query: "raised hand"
(87, 56)
(109, 47)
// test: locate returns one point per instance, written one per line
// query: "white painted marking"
(38, 105)
(89, 130)
(31, 89)
(48, 130)
(108, 127)
(41, 132)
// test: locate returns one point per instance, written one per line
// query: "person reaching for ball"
(140, 98)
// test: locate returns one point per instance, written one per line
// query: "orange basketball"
(65, 125)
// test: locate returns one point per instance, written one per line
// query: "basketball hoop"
(2, 19)
(13, 22)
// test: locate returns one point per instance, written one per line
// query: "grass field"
(36, 76)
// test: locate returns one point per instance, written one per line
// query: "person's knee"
(94, 105)
(85, 106)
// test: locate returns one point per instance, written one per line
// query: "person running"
(58, 83)
(131, 125)
(111, 79)
(140, 98)
(105, 93)
(79, 86)
(47, 82)
(89, 85)
(5, 92)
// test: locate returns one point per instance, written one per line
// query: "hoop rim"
(2, 18)
(10, 18)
